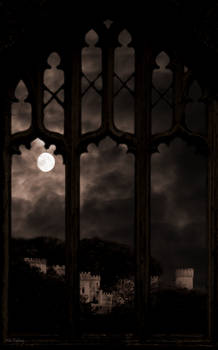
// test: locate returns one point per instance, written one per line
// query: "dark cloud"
(107, 207)
(162, 115)
(179, 209)
(111, 220)
(20, 209)
(180, 249)
(46, 217)
(43, 218)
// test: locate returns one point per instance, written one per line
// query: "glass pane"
(107, 238)
(117, 85)
(91, 83)
(124, 108)
(91, 111)
(54, 117)
(21, 111)
(196, 116)
(179, 240)
(162, 95)
(37, 292)
(54, 95)
(124, 84)
(124, 64)
(54, 77)
(162, 77)
(161, 117)
(91, 57)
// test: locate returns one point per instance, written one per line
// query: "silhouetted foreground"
(179, 311)
(38, 301)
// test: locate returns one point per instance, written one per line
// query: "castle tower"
(185, 278)
(89, 286)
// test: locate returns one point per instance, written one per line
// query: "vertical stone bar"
(213, 218)
(142, 127)
(72, 68)
(5, 208)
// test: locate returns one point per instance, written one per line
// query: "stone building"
(91, 292)
(59, 269)
(185, 278)
(89, 286)
(41, 264)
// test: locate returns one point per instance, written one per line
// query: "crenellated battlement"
(35, 260)
(107, 295)
(41, 264)
(87, 276)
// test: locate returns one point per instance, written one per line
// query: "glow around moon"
(45, 162)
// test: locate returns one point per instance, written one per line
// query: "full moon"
(45, 162)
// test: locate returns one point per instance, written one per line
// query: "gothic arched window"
(108, 193)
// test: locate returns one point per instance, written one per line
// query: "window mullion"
(212, 218)
(72, 67)
(142, 127)
(5, 222)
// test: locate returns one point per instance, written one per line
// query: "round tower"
(185, 278)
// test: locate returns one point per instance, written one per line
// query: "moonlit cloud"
(37, 197)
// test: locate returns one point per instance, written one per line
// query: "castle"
(184, 279)
(90, 286)
(40, 264)
(101, 302)
(91, 292)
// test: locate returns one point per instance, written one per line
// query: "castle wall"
(105, 301)
(184, 282)
(41, 264)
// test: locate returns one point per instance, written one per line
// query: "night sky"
(178, 176)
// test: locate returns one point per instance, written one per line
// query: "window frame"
(72, 144)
